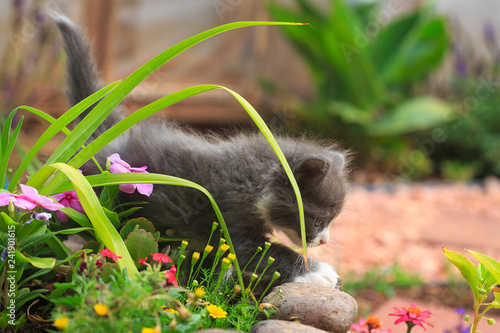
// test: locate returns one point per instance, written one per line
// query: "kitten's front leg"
(321, 274)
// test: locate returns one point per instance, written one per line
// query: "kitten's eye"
(317, 223)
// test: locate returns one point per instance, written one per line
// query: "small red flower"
(161, 257)
(108, 253)
(412, 316)
(171, 278)
(143, 261)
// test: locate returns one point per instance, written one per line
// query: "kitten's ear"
(338, 160)
(312, 168)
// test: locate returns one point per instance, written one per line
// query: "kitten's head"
(323, 186)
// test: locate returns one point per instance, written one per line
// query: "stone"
(281, 326)
(324, 308)
(219, 330)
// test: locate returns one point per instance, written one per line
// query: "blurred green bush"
(368, 65)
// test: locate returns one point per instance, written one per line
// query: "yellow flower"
(224, 247)
(216, 311)
(61, 323)
(184, 243)
(231, 256)
(149, 330)
(101, 309)
(226, 263)
(196, 255)
(209, 248)
(199, 292)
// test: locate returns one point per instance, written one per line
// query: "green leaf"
(391, 37)
(490, 264)
(466, 267)
(412, 115)
(422, 51)
(35, 261)
(103, 228)
(56, 127)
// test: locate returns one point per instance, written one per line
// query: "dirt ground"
(409, 224)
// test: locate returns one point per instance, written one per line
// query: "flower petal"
(145, 189)
(118, 168)
(115, 158)
(127, 188)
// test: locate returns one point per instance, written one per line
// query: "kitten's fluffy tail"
(82, 76)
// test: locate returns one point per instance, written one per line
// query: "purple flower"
(120, 166)
(489, 32)
(4, 255)
(68, 199)
(461, 311)
(29, 199)
(5, 198)
(40, 217)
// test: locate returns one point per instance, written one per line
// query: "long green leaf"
(151, 178)
(103, 228)
(96, 117)
(56, 127)
(7, 152)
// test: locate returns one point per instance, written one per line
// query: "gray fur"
(242, 173)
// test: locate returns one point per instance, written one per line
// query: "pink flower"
(171, 278)
(120, 166)
(161, 257)
(68, 199)
(108, 253)
(5, 198)
(29, 199)
(412, 316)
(370, 325)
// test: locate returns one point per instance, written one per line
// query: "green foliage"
(470, 147)
(129, 305)
(482, 279)
(365, 80)
(385, 281)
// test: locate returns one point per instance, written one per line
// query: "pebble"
(324, 308)
(281, 326)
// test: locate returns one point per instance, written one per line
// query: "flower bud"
(184, 313)
(491, 321)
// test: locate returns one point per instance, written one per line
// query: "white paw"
(324, 275)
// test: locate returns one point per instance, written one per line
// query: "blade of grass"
(103, 228)
(87, 126)
(8, 151)
(57, 126)
(151, 178)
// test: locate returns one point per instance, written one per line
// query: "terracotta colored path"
(408, 225)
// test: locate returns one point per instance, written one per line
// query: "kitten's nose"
(322, 241)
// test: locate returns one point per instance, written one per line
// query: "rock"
(321, 307)
(281, 326)
(218, 330)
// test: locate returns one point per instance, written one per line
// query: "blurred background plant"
(32, 53)
(472, 146)
(369, 64)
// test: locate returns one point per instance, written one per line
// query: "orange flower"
(101, 309)
(61, 323)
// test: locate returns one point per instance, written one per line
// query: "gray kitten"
(242, 173)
